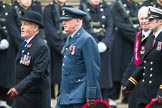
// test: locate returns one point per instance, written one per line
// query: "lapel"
(159, 38)
(27, 48)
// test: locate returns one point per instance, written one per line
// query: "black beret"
(69, 13)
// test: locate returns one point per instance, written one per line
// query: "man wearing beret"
(81, 64)
(32, 88)
(148, 73)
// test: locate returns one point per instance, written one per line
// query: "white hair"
(143, 9)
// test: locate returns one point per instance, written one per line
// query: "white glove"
(102, 47)
(4, 44)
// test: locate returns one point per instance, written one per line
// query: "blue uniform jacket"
(80, 69)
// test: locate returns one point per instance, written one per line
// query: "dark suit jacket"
(32, 75)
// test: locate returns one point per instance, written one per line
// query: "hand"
(12, 93)
(91, 103)
(159, 99)
(102, 47)
(125, 91)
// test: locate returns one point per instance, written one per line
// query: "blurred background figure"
(154, 3)
(99, 24)
(7, 70)
(55, 39)
(126, 25)
(37, 6)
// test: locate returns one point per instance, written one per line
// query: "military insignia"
(63, 12)
(153, 43)
(29, 46)
(159, 45)
(72, 48)
(149, 12)
(142, 51)
(25, 59)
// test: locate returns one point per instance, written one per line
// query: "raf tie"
(23, 45)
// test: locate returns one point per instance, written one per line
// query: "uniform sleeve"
(92, 63)
(134, 78)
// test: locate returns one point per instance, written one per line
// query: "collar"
(28, 40)
(72, 35)
(157, 33)
(146, 33)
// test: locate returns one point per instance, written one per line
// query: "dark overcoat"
(33, 75)
(55, 39)
(124, 36)
(7, 57)
(101, 14)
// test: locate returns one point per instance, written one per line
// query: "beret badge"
(63, 12)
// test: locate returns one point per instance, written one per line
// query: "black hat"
(69, 13)
(154, 13)
(32, 16)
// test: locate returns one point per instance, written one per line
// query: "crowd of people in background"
(117, 29)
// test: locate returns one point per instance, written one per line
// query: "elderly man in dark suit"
(81, 64)
(32, 88)
(148, 74)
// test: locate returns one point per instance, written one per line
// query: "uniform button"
(143, 74)
(63, 64)
(143, 80)
(103, 17)
(64, 56)
(79, 80)
(150, 82)
(151, 62)
(145, 61)
(103, 25)
(151, 69)
(101, 9)
(66, 48)
(144, 67)
(150, 75)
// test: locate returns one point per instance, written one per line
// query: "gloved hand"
(102, 47)
(91, 103)
(125, 91)
(4, 44)
(159, 99)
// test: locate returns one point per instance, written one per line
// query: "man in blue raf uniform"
(81, 64)
(148, 73)
(32, 88)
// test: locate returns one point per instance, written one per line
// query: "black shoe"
(113, 106)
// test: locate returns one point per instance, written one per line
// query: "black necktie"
(23, 45)
(143, 37)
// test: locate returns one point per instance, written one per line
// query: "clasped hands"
(12, 93)
(91, 103)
